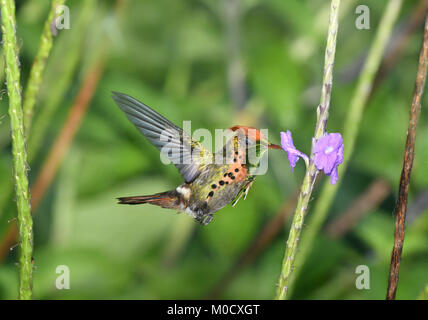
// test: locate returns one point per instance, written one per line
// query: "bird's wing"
(188, 155)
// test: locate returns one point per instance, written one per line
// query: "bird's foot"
(207, 219)
(204, 219)
(243, 192)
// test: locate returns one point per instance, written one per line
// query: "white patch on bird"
(184, 191)
(190, 212)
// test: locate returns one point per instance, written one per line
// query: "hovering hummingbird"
(208, 185)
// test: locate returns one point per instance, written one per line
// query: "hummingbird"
(209, 185)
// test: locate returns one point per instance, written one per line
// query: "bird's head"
(254, 136)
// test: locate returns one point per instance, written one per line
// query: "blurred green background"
(218, 64)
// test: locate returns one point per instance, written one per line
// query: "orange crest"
(252, 133)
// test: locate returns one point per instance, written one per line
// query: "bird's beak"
(274, 146)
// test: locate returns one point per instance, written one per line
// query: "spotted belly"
(203, 203)
(202, 210)
(214, 188)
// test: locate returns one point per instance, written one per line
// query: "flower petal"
(288, 146)
(328, 154)
(330, 163)
(292, 159)
(339, 159)
(287, 141)
(334, 176)
(319, 160)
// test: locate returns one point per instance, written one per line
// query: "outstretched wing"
(187, 155)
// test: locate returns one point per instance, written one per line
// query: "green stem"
(1, 67)
(36, 73)
(25, 222)
(352, 123)
(58, 79)
(311, 172)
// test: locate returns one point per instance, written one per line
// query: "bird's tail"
(168, 199)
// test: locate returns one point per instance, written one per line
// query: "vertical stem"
(401, 205)
(351, 127)
(311, 172)
(39, 65)
(25, 222)
(1, 66)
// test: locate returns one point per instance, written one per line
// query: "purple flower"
(328, 154)
(288, 146)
